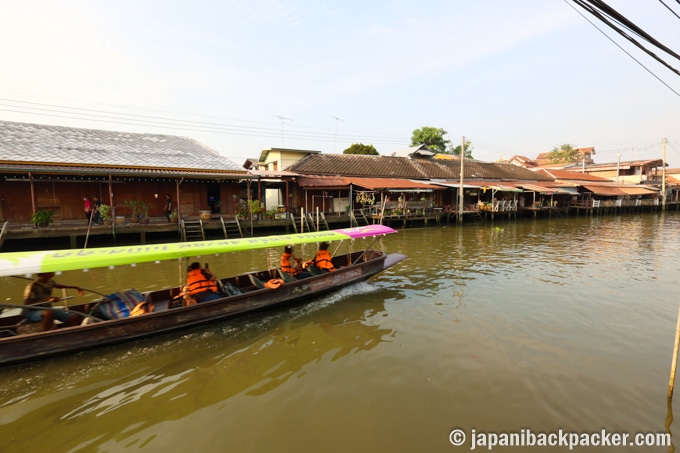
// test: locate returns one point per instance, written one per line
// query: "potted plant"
(243, 211)
(173, 216)
(144, 211)
(271, 213)
(134, 207)
(105, 213)
(254, 208)
(42, 218)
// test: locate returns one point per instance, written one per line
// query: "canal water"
(530, 326)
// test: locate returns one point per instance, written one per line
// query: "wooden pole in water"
(663, 177)
(674, 363)
(461, 195)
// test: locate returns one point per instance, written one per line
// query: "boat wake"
(80, 366)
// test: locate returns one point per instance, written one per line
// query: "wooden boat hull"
(32, 346)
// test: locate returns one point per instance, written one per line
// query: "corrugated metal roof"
(639, 191)
(455, 185)
(496, 185)
(392, 183)
(43, 144)
(604, 190)
(326, 182)
(535, 188)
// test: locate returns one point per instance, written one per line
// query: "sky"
(512, 77)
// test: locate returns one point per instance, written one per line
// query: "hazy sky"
(514, 77)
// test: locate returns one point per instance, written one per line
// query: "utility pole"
(460, 190)
(663, 177)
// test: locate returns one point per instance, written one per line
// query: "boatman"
(201, 283)
(39, 293)
(323, 259)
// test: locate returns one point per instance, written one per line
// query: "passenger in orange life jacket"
(201, 283)
(323, 258)
(292, 264)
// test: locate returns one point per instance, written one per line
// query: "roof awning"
(612, 191)
(607, 191)
(534, 188)
(408, 190)
(639, 191)
(455, 185)
(504, 188)
(569, 190)
(550, 190)
(322, 182)
(394, 184)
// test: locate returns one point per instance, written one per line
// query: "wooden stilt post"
(674, 363)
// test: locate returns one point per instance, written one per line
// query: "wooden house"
(54, 168)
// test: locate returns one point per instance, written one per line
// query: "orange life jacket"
(141, 308)
(274, 283)
(286, 264)
(198, 283)
(323, 260)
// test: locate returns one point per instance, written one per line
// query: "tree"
(358, 148)
(565, 154)
(468, 149)
(432, 137)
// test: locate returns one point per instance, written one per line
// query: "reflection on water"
(188, 372)
(542, 324)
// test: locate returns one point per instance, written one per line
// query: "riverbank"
(76, 233)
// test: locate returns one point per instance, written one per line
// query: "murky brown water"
(539, 325)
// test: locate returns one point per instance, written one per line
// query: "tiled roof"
(401, 167)
(570, 175)
(627, 164)
(92, 171)
(37, 143)
(325, 182)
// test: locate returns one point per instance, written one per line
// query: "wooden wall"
(65, 197)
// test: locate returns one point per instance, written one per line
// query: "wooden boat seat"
(257, 283)
(161, 305)
(286, 277)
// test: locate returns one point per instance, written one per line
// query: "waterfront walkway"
(75, 233)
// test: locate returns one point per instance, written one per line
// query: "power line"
(596, 14)
(625, 22)
(303, 133)
(669, 9)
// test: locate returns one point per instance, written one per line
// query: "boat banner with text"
(17, 263)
